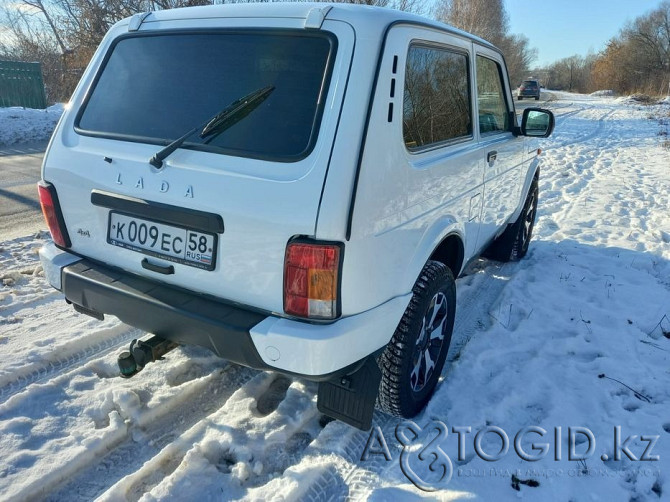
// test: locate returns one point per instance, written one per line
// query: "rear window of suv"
(529, 83)
(155, 88)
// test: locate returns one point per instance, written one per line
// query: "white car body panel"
(502, 193)
(248, 193)
(325, 348)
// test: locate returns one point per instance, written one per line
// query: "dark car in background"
(529, 89)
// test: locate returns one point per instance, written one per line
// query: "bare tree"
(61, 34)
(518, 56)
(638, 59)
(485, 18)
(488, 19)
(648, 38)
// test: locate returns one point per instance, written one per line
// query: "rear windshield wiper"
(214, 126)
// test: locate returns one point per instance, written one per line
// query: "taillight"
(52, 214)
(311, 280)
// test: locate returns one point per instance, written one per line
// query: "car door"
(439, 135)
(501, 150)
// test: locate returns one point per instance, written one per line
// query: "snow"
(575, 335)
(603, 93)
(19, 125)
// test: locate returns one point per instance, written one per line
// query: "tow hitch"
(141, 353)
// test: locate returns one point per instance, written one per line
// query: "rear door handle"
(491, 157)
(168, 270)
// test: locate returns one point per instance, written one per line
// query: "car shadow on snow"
(590, 311)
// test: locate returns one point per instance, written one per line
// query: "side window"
(493, 114)
(436, 103)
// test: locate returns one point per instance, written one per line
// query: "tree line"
(64, 34)
(637, 60)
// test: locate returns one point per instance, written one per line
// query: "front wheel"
(412, 362)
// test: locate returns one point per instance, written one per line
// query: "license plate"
(168, 242)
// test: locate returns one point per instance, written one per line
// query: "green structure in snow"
(21, 84)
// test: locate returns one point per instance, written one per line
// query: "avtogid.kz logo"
(425, 447)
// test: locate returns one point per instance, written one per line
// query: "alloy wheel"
(429, 342)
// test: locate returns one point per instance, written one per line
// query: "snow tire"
(402, 392)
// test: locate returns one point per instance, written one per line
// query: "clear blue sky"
(561, 28)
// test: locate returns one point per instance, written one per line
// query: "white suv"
(294, 187)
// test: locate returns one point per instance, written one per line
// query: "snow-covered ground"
(25, 124)
(575, 335)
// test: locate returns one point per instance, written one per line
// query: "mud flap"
(351, 398)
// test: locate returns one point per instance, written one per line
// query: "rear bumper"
(247, 337)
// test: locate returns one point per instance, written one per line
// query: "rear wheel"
(512, 244)
(412, 362)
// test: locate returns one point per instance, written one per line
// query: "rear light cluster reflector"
(311, 280)
(52, 214)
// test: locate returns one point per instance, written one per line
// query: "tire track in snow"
(555, 105)
(560, 117)
(46, 297)
(581, 139)
(97, 344)
(561, 181)
(124, 441)
(572, 141)
(147, 438)
(237, 429)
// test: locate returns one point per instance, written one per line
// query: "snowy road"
(558, 340)
(23, 137)
(19, 205)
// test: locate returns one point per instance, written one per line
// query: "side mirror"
(537, 123)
